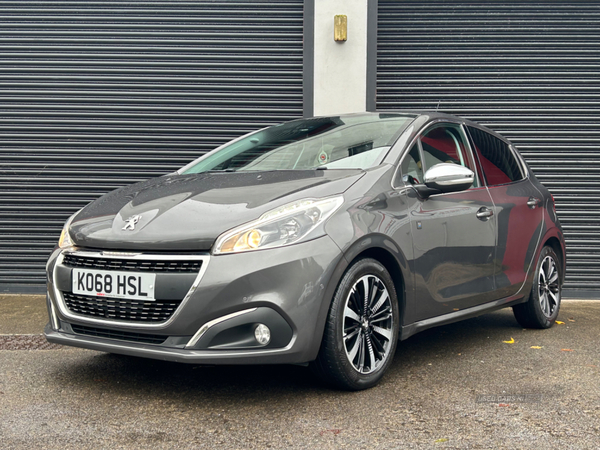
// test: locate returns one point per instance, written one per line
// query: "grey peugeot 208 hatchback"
(322, 241)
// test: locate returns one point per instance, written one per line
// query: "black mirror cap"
(425, 191)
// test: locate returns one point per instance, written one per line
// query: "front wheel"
(361, 332)
(541, 310)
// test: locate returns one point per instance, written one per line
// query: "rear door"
(518, 207)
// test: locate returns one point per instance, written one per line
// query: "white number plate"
(101, 283)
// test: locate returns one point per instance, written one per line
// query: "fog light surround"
(262, 333)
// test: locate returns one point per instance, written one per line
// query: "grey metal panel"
(372, 15)
(309, 58)
(529, 70)
(98, 94)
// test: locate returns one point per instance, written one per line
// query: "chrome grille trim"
(142, 256)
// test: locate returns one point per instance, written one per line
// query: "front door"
(454, 234)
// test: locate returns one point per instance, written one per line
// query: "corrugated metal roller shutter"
(529, 70)
(98, 94)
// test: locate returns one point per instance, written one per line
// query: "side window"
(446, 143)
(498, 162)
(411, 167)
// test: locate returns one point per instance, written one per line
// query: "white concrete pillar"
(340, 68)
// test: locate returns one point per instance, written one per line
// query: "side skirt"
(413, 328)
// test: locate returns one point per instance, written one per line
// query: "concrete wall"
(340, 68)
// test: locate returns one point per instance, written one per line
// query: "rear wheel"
(361, 332)
(541, 310)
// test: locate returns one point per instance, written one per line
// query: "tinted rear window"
(497, 160)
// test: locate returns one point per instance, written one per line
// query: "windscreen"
(349, 142)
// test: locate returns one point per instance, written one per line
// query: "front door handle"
(484, 213)
(533, 202)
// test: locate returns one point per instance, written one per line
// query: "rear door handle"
(533, 202)
(484, 213)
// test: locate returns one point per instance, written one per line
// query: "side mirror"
(446, 177)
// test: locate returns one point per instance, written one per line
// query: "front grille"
(134, 265)
(120, 335)
(121, 308)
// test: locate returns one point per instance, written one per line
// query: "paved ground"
(458, 386)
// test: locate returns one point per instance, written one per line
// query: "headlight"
(282, 226)
(65, 239)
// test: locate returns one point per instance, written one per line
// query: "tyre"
(541, 310)
(361, 332)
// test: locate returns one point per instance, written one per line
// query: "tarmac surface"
(460, 386)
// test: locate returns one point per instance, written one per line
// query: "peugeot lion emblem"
(130, 225)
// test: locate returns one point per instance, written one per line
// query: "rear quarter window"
(498, 162)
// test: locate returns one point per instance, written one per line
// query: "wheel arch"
(554, 243)
(376, 246)
(383, 249)
(392, 266)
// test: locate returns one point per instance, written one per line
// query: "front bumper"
(283, 288)
(209, 357)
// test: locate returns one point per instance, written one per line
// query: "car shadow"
(133, 376)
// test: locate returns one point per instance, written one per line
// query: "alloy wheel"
(368, 324)
(548, 286)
